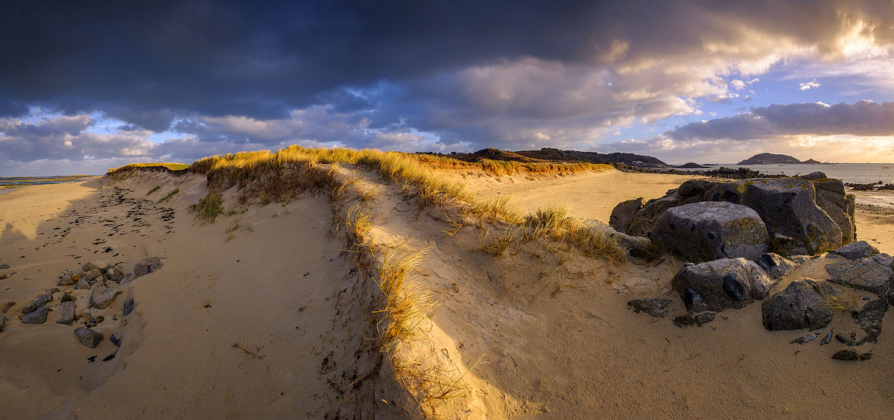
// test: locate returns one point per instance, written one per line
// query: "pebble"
(38, 316)
(88, 337)
(6, 306)
(128, 306)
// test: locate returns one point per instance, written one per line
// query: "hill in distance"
(556, 155)
(772, 158)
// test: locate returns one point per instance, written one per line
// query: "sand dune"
(269, 312)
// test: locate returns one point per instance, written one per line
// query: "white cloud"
(810, 85)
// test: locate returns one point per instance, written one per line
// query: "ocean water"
(859, 173)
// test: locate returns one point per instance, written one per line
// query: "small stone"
(807, 338)
(150, 265)
(100, 319)
(4, 266)
(102, 297)
(115, 340)
(6, 306)
(66, 298)
(39, 301)
(6, 276)
(828, 338)
(691, 319)
(128, 306)
(89, 267)
(2, 322)
(93, 275)
(83, 284)
(88, 337)
(866, 356)
(69, 277)
(66, 313)
(654, 307)
(38, 316)
(846, 354)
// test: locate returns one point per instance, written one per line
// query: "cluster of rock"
(705, 220)
(104, 285)
(741, 238)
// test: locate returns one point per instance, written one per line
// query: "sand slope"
(264, 315)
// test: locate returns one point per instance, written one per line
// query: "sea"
(857, 173)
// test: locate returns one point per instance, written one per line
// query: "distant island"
(555, 155)
(691, 165)
(772, 158)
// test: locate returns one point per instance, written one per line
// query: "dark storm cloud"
(143, 61)
(864, 118)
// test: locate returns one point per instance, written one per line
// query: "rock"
(128, 306)
(38, 316)
(850, 341)
(872, 274)
(70, 277)
(624, 213)
(828, 338)
(721, 284)
(692, 319)
(6, 306)
(66, 313)
(654, 307)
(638, 246)
(841, 207)
(115, 340)
(102, 297)
(807, 338)
(870, 319)
(93, 275)
(710, 230)
(127, 279)
(788, 207)
(88, 267)
(114, 273)
(647, 216)
(88, 337)
(801, 305)
(6, 276)
(846, 354)
(150, 265)
(83, 284)
(856, 250)
(66, 298)
(776, 265)
(2, 322)
(694, 188)
(4, 266)
(39, 301)
(814, 176)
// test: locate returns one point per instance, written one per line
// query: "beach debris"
(6, 306)
(102, 297)
(856, 250)
(828, 338)
(707, 231)
(654, 307)
(721, 284)
(851, 355)
(128, 306)
(776, 265)
(808, 337)
(39, 301)
(150, 265)
(38, 316)
(694, 319)
(872, 274)
(66, 313)
(801, 305)
(88, 337)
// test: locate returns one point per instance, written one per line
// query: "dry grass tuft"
(498, 245)
(208, 208)
(169, 195)
(553, 222)
(154, 189)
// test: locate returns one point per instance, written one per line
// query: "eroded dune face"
(314, 306)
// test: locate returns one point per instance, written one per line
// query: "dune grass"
(208, 208)
(169, 195)
(154, 189)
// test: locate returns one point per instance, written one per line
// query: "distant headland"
(772, 158)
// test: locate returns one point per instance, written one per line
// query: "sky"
(89, 85)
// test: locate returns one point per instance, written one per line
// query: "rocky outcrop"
(707, 231)
(721, 284)
(801, 305)
(856, 250)
(623, 214)
(796, 222)
(872, 274)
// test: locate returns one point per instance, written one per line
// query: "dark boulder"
(801, 305)
(66, 313)
(624, 213)
(841, 207)
(102, 297)
(710, 230)
(647, 216)
(150, 265)
(721, 284)
(856, 250)
(38, 316)
(872, 274)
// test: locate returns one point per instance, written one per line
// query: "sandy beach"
(264, 314)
